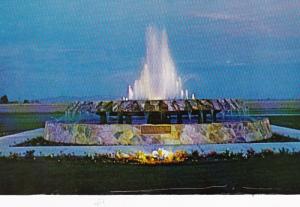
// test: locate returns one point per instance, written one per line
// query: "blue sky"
(222, 48)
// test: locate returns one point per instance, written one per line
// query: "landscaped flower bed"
(160, 156)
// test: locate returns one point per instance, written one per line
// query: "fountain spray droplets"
(158, 78)
(130, 92)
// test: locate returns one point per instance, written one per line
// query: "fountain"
(158, 110)
(158, 78)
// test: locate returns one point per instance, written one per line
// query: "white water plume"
(158, 78)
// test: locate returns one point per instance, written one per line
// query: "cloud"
(217, 16)
(190, 76)
(232, 63)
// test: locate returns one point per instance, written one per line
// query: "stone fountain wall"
(125, 134)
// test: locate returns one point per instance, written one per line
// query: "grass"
(291, 110)
(277, 138)
(263, 174)
(286, 121)
(11, 123)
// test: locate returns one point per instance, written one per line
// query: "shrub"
(267, 152)
(250, 153)
(29, 154)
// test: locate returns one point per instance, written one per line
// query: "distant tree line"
(4, 100)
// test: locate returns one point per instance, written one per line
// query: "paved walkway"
(294, 133)
(7, 141)
(13, 139)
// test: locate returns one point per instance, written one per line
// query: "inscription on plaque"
(156, 129)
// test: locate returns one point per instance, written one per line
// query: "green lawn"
(11, 123)
(274, 174)
(286, 121)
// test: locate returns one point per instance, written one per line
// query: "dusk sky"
(222, 48)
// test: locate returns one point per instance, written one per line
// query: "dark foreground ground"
(277, 174)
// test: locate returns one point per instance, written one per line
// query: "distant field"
(274, 111)
(273, 104)
(16, 118)
(11, 123)
(32, 108)
(286, 121)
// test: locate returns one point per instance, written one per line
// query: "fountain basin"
(167, 134)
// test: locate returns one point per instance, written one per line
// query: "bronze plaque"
(156, 129)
